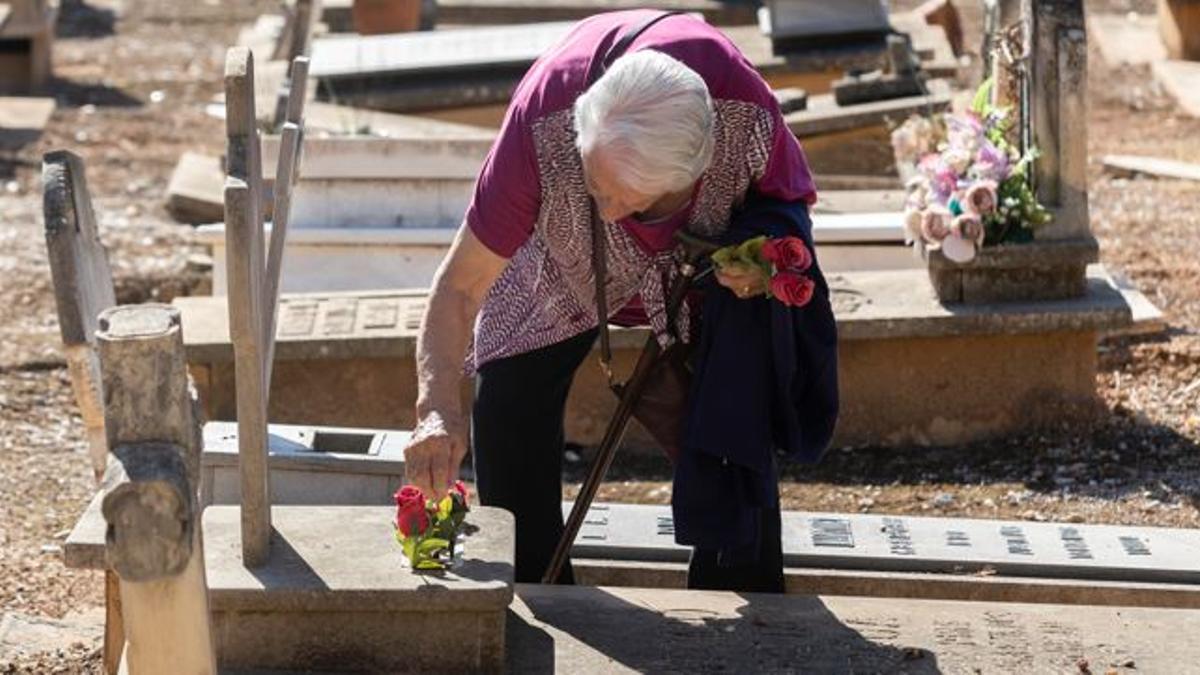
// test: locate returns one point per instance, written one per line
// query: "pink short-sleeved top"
(531, 204)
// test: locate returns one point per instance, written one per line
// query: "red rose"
(787, 253)
(412, 518)
(792, 289)
(461, 489)
(410, 494)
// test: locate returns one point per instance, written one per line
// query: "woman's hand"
(434, 453)
(742, 280)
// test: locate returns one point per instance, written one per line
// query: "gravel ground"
(133, 78)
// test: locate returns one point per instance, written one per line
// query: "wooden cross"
(254, 282)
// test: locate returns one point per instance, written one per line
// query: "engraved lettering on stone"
(833, 532)
(666, 525)
(595, 520)
(947, 633)
(380, 313)
(414, 311)
(1061, 638)
(879, 629)
(1135, 546)
(297, 318)
(1077, 548)
(1008, 640)
(339, 316)
(1015, 538)
(957, 538)
(899, 538)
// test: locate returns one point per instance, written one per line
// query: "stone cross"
(153, 540)
(83, 286)
(1058, 112)
(254, 285)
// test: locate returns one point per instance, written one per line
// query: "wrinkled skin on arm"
(439, 442)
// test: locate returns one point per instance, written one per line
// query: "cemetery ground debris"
(132, 83)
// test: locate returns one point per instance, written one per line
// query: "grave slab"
(346, 120)
(335, 370)
(22, 120)
(789, 19)
(1126, 39)
(195, 193)
(923, 585)
(491, 12)
(497, 47)
(922, 544)
(825, 116)
(395, 243)
(578, 629)
(1157, 167)
(84, 549)
(345, 259)
(480, 66)
(1181, 79)
(314, 606)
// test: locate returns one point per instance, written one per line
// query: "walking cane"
(695, 250)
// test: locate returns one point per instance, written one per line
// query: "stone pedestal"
(309, 465)
(1049, 270)
(334, 595)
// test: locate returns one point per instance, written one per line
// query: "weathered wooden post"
(153, 541)
(254, 278)
(244, 260)
(83, 287)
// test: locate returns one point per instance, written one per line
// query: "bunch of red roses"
(783, 262)
(427, 530)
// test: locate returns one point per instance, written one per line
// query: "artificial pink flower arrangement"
(428, 530)
(969, 186)
(783, 262)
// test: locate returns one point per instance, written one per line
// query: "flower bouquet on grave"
(428, 531)
(783, 262)
(967, 183)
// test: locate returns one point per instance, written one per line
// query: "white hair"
(655, 116)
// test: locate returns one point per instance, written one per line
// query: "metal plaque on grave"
(896, 543)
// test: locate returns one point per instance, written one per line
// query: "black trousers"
(517, 443)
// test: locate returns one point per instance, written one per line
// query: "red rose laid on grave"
(782, 264)
(428, 530)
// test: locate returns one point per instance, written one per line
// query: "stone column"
(1058, 109)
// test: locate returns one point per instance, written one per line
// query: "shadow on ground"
(78, 19)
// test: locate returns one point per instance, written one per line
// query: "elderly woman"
(673, 135)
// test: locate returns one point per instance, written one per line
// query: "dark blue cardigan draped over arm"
(765, 388)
